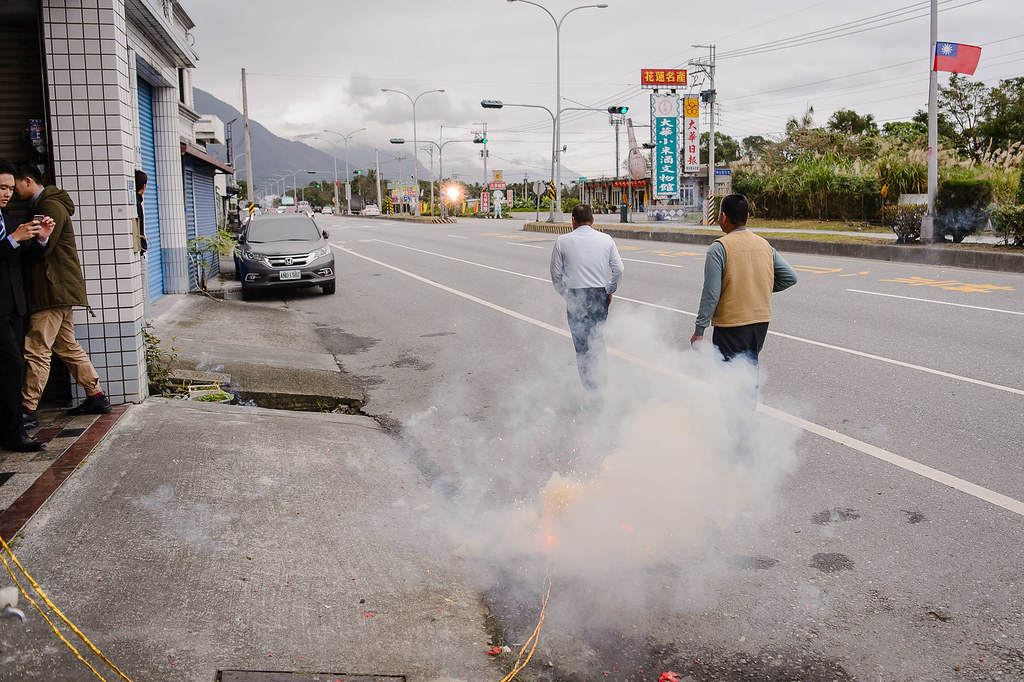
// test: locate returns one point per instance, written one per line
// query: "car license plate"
(291, 274)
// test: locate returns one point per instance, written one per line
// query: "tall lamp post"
(558, 91)
(334, 150)
(498, 104)
(348, 174)
(415, 140)
(295, 184)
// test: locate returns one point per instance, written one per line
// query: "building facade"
(98, 89)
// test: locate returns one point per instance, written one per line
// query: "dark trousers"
(740, 399)
(747, 339)
(587, 311)
(12, 373)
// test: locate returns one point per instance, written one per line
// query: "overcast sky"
(316, 64)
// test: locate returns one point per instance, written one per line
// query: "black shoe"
(22, 442)
(29, 420)
(97, 405)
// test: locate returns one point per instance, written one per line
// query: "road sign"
(723, 171)
(582, 179)
(538, 188)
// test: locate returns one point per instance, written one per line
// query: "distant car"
(279, 209)
(284, 251)
(370, 209)
(327, 210)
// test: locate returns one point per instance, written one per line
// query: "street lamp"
(415, 140)
(558, 91)
(498, 104)
(295, 184)
(440, 169)
(348, 175)
(334, 151)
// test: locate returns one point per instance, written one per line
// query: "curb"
(936, 254)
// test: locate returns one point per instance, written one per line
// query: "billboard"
(665, 134)
(691, 134)
(663, 78)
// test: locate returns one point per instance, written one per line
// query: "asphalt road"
(877, 535)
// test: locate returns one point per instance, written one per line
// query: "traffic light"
(707, 95)
(617, 110)
(479, 139)
(357, 172)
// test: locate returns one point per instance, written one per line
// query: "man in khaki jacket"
(741, 271)
(52, 287)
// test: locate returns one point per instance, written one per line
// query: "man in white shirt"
(585, 270)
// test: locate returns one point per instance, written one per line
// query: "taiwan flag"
(956, 58)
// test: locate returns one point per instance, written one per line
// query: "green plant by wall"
(1009, 223)
(202, 249)
(960, 207)
(904, 220)
(159, 362)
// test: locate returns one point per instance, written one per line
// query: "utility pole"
(709, 97)
(481, 135)
(928, 222)
(380, 202)
(245, 134)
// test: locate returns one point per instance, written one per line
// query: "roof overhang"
(197, 153)
(149, 16)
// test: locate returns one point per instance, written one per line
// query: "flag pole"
(928, 222)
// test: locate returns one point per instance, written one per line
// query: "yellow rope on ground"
(534, 638)
(53, 607)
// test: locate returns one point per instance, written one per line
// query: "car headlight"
(320, 253)
(253, 256)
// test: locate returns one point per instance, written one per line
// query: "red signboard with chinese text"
(663, 78)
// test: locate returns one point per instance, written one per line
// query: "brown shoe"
(94, 405)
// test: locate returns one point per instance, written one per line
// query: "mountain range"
(273, 155)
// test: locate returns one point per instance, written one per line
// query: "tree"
(1003, 111)
(754, 146)
(802, 123)
(726, 148)
(963, 103)
(909, 132)
(849, 122)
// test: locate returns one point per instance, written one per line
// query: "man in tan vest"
(741, 271)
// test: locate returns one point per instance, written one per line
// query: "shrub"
(1009, 222)
(960, 207)
(905, 221)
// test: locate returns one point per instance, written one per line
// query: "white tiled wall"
(91, 121)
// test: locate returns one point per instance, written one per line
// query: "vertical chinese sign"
(665, 129)
(691, 134)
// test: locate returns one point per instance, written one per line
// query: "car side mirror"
(326, 236)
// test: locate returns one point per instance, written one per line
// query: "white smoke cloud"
(637, 508)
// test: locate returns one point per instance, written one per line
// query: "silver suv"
(283, 251)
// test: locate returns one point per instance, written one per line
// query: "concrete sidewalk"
(197, 538)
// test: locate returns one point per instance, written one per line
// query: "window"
(689, 195)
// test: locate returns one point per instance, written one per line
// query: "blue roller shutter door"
(150, 206)
(190, 218)
(206, 212)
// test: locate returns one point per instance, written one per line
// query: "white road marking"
(820, 344)
(928, 300)
(529, 246)
(651, 262)
(973, 489)
(457, 236)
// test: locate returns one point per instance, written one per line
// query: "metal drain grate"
(284, 676)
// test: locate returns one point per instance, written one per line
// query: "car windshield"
(302, 230)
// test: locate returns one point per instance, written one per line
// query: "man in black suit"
(16, 245)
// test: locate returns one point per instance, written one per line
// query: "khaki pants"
(53, 330)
